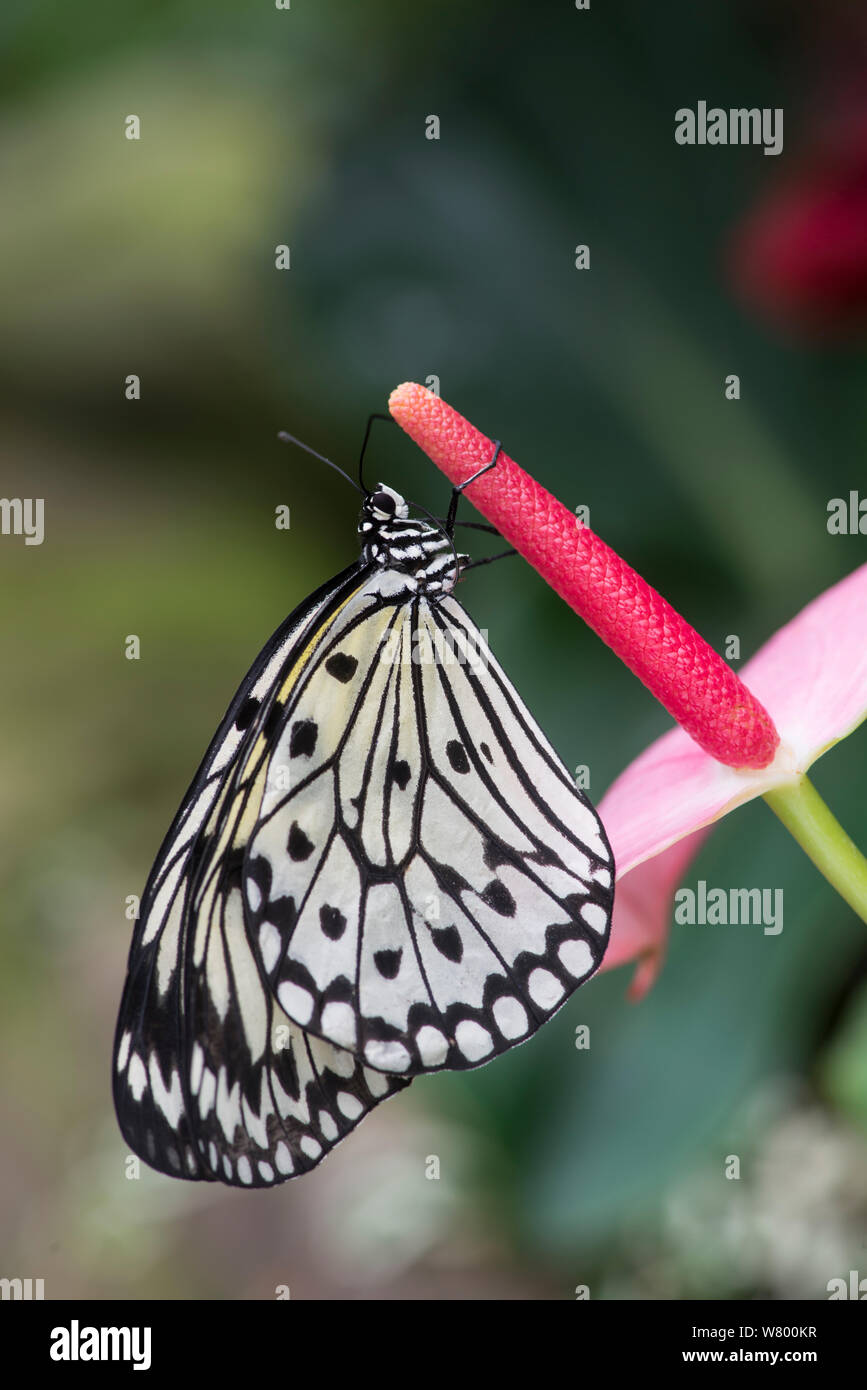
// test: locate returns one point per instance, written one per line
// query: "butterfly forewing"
(211, 1078)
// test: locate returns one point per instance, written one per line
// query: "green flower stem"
(807, 818)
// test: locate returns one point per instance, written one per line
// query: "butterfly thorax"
(421, 551)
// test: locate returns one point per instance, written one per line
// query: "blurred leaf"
(843, 1068)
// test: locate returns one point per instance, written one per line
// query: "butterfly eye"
(383, 502)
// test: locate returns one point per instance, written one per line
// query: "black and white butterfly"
(382, 868)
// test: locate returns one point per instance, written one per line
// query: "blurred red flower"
(800, 255)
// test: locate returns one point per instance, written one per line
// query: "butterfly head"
(384, 504)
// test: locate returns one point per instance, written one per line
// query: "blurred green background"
(411, 257)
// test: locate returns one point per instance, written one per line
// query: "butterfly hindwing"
(429, 883)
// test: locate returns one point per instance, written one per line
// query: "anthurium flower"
(804, 691)
(812, 676)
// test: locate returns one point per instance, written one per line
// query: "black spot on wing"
(487, 752)
(298, 844)
(233, 867)
(247, 713)
(401, 773)
(450, 880)
(285, 1067)
(544, 855)
(387, 962)
(448, 942)
(302, 740)
(341, 666)
(497, 896)
(273, 720)
(283, 913)
(495, 854)
(332, 921)
(457, 756)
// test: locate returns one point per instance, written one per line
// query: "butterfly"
(381, 869)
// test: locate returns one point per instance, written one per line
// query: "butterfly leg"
(456, 491)
(487, 560)
(475, 526)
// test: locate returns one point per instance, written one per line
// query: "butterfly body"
(382, 868)
(423, 553)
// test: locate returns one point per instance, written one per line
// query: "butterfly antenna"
(370, 420)
(287, 438)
